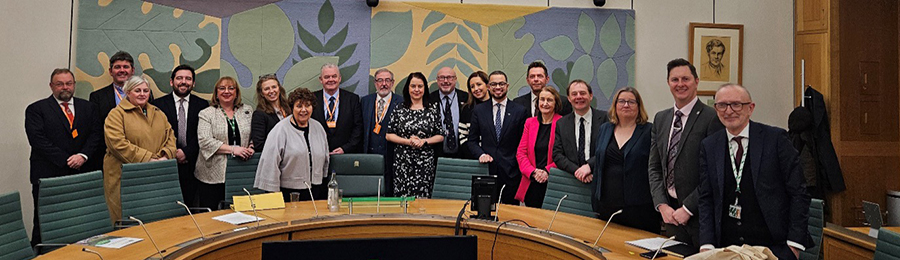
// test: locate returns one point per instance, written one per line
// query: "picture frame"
(717, 51)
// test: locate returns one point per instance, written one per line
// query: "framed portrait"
(717, 51)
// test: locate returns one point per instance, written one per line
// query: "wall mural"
(294, 38)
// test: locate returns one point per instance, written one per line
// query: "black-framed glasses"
(384, 80)
(443, 78)
(735, 106)
(629, 102)
(497, 84)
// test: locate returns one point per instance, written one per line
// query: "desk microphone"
(460, 217)
(148, 236)
(661, 247)
(252, 206)
(378, 202)
(192, 218)
(557, 211)
(311, 198)
(604, 226)
(499, 199)
(83, 249)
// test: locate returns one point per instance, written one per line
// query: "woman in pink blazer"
(535, 153)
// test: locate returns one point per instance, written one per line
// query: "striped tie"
(673, 151)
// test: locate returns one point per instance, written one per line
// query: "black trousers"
(36, 229)
(688, 234)
(210, 194)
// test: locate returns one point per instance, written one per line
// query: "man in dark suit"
(450, 99)
(64, 132)
(494, 135)
(183, 109)
(752, 189)
(339, 113)
(675, 150)
(537, 79)
(121, 68)
(376, 116)
(571, 152)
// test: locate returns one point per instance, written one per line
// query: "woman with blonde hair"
(271, 107)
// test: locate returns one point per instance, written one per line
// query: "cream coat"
(212, 133)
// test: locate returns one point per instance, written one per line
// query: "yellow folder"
(272, 200)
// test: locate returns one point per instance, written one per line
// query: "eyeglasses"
(67, 84)
(630, 102)
(384, 80)
(735, 106)
(224, 88)
(498, 84)
(444, 78)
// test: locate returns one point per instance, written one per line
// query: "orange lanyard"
(331, 110)
(117, 93)
(387, 104)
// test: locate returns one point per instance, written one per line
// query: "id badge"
(74, 133)
(331, 124)
(377, 129)
(734, 211)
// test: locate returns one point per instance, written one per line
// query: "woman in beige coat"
(135, 132)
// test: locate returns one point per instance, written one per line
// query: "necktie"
(740, 151)
(331, 109)
(380, 110)
(182, 124)
(673, 150)
(70, 117)
(581, 142)
(497, 122)
(534, 110)
(448, 124)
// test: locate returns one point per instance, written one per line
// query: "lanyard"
(738, 170)
(331, 110)
(231, 122)
(387, 104)
(117, 93)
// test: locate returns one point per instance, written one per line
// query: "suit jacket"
(213, 133)
(368, 119)
(51, 139)
(565, 150)
(348, 133)
(637, 153)
(525, 101)
(777, 178)
(525, 153)
(701, 123)
(482, 132)
(105, 99)
(461, 98)
(260, 126)
(828, 163)
(169, 107)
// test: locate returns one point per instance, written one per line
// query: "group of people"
(695, 168)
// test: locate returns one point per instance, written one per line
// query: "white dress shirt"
(587, 130)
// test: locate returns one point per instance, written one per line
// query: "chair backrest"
(150, 189)
(71, 208)
(816, 223)
(240, 174)
(453, 178)
(887, 247)
(563, 183)
(13, 239)
(358, 174)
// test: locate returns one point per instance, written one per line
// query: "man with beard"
(182, 110)
(537, 79)
(339, 112)
(495, 133)
(450, 99)
(376, 116)
(64, 132)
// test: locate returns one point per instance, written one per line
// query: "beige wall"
(35, 40)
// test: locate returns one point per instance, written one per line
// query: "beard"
(64, 95)
(178, 92)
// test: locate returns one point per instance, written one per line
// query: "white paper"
(237, 218)
(652, 243)
(109, 241)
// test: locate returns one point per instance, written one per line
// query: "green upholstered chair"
(149, 191)
(72, 208)
(240, 174)
(14, 242)
(887, 247)
(816, 223)
(453, 178)
(563, 183)
(358, 174)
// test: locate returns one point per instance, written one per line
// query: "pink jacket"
(525, 152)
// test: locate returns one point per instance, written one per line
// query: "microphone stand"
(148, 236)
(604, 226)
(252, 206)
(192, 218)
(83, 249)
(378, 201)
(311, 198)
(499, 200)
(661, 247)
(557, 211)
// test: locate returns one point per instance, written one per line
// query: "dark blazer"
(105, 100)
(51, 139)
(829, 166)
(260, 125)
(461, 98)
(368, 119)
(701, 123)
(565, 150)
(637, 153)
(777, 178)
(348, 133)
(525, 101)
(503, 150)
(192, 149)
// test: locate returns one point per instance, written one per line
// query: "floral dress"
(414, 167)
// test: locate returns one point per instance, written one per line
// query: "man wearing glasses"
(339, 112)
(495, 133)
(537, 79)
(451, 99)
(376, 116)
(576, 133)
(752, 190)
(675, 153)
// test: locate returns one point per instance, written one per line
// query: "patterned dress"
(414, 167)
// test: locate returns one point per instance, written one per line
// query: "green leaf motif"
(305, 74)
(475, 27)
(309, 40)
(507, 53)
(351, 88)
(629, 68)
(390, 36)
(466, 36)
(559, 47)
(432, 18)
(440, 51)
(337, 41)
(262, 49)
(583, 69)
(451, 63)
(441, 31)
(348, 72)
(303, 53)
(326, 16)
(467, 55)
(610, 36)
(345, 53)
(629, 31)
(587, 31)
(560, 78)
(607, 77)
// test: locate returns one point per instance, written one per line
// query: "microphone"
(499, 199)
(83, 249)
(192, 218)
(661, 247)
(604, 226)
(311, 198)
(148, 236)
(459, 217)
(557, 211)
(252, 206)
(378, 201)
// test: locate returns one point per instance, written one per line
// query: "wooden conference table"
(425, 217)
(849, 242)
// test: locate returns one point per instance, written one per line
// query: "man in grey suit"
(675, 153)
(571, 153)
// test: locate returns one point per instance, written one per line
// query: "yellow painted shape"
(146, 7)
(177, 12)
(483, 14)
(96, 82)
(215, 57)
(103, 3)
